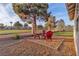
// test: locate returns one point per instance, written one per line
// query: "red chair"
(49, 34)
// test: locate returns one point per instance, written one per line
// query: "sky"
(8, 15)
(59, 10)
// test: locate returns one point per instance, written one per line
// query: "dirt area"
(30, 48)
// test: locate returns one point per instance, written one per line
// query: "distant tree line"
(16, 25)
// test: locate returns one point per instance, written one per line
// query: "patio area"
(35, 47)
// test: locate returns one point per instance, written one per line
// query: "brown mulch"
(28, 48)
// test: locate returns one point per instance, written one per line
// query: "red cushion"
(49, 34)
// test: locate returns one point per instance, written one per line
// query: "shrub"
(17, 37)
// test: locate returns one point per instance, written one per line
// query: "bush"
(17, 37)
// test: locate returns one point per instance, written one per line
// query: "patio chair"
(36, 35)
(47, 35)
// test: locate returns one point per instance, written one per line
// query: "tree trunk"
(34, 25)
(49, 23)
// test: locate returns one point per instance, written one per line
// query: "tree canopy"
(18, 24)
(25, 9)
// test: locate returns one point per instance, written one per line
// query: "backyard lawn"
(3, 32)
(67, 34)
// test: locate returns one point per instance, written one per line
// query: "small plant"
(17, 37)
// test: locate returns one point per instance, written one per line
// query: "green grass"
(68, 34)
(3, 32)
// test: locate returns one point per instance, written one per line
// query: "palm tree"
(32, 10)
(11, 24)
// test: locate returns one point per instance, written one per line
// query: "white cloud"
(7, 14)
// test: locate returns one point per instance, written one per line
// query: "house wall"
(76, 34)
(76, 38)
(76, 29)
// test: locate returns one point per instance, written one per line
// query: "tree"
(53, 20)
(25, 25)
(18, 25)
(32, 10)
(46, 25)
(11, 24)
(69, 28)
(60, 25)
(1, 25)
(40, 26)
(29, 22)
(49, 24)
